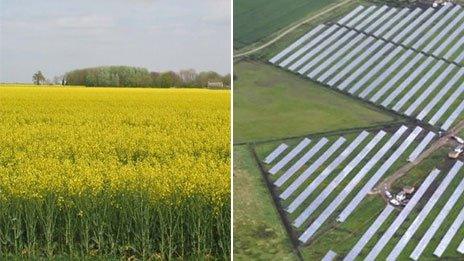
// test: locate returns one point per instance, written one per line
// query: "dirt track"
(387, 183)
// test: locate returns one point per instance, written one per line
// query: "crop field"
(324, 186)
(254, 20)
(409, 61)
(265, 95)
(134, 173)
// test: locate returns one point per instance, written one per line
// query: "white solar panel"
(316, 50)
(437, 222)
(351, 65)
(456, 113)
(424, 212)
(379, 174)
(412, 25)
(394, 20)
(431, 88)
(387, 236)
(326, 172)
(444, 32)
(446, 105)
(350, 15)
(425, 25)
(308, 46)
(367, 236)
(305, 142)
(396, 77)
(401, 24)
(361, 70)
(311, 169)
(275, 153)
(339, 55)
(421, 146)
(413, 76)
(461, 247)
(303, 160)
(440, 95)
(453, 49)
(426, 37)
(455, 34)
(360, 16)
(340, 177)
(297, 43)
(330, 256)
(370, 18)
(381, 20)
(450, 234)
(312, 229)
(374, 71)
(386, 73)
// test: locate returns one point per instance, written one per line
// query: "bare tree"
(38, 78)
(188, 77)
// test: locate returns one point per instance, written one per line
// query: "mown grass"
(270, 103)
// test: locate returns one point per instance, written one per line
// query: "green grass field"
(254, 20)
(270, 104)
(259, 234)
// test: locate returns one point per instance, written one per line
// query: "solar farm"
(406, 60)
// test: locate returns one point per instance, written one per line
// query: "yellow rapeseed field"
(114, 172)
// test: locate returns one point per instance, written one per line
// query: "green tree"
(38, 78)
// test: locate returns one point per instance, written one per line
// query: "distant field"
(259, 233)
(254, 20)
(270, 103)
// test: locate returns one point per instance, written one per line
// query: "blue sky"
(56, 36)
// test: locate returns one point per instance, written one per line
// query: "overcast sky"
(56, 36)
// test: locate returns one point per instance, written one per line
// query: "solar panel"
(290, 156)
(325, 55)
(450, 234)
(371, 17)
(424, 212)
(275, 153)
(446, 105)
(360, 16)
(367, 236)
(339, 178)
(307, 156)
(444, 32)
(311, 169)
(402, 216)
(312, 229)
(386, 73)
(460, 59)
(421, 146)
(420, 30)
(381, 20)
(336, 57)
(401, 24)
(426, 37)
(374, 71)
(412, 25)
(351, 65)
(327, 52)
(396, 77)
(308, 46)
(297, 43)
(461, 247)
(326, 172)
(453, 49)
(449, 40)
(330, 256)
(456, 113)
(429, 89)
(350, 15)
(440, 95)
(321, 46)
(378, 55)
(391, 21)
(437, 222)
(379, 174)
(413, 76)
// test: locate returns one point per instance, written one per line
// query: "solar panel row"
(275, 153)
(285, 160)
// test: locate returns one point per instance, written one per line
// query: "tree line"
(127, 76)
